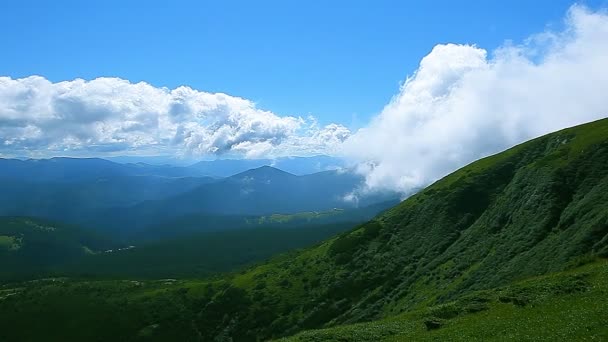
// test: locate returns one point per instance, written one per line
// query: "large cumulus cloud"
(463, 104)
(114, 115)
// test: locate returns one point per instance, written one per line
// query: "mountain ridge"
(260, 191)
(265, 171)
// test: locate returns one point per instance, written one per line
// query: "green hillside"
(31, 249)
(194, 224)
(199, 255)
(29, 246)
(566, 306)
(454, 257)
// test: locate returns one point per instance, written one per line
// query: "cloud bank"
(112, 115)
(461, 104)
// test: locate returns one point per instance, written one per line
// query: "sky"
(408, 91)
(338, 60)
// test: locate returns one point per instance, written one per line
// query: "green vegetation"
(31, 247)
(9, 243)
(305, 216)
(199, 255)
(192, 247)
(567, 306)
(510, 247)
(38, 249)
(195, 224)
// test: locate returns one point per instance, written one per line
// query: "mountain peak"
(264, 172)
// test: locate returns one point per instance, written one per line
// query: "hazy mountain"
(67, 188)
(74, 201)
(72, 189)
(122, 198)
(83, 169)
(262, 191)
(153, 160)
(294, 165)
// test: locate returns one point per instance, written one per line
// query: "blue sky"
(341, 61)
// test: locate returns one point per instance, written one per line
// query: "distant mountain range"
(66, 168)
(295, 165)
(229, 167)
(262, 191)
(84, 169)
(123, 198)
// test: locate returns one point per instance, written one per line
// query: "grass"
(566, 306)
(299, 217)
(9, 243)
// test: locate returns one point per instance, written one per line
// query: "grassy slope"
(568, 305)
(534, 209)
(564, 306)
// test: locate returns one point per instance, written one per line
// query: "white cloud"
(112, 115)
(461, 105)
